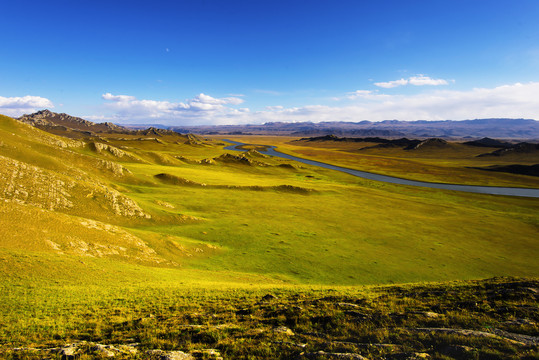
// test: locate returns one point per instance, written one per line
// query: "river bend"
(492, 190)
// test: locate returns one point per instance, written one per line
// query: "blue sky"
(218, 62)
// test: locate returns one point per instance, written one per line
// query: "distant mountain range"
(502, 128)
(497, 128)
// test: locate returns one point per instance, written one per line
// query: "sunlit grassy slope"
(165, 241)
(493, 319)
(261, 217)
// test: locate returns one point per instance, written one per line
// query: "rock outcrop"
(238, 159)
(47, 118)
(153, 131)
(27, 184)
(94, 350)
(100, 148)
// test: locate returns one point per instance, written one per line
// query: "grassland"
(95, 247)
(495, 319)
(455, 163)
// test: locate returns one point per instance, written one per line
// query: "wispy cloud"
(418, 80)
(421, 80)
(16, 106)
(274, 108)
(363, 94)
(392, 84)
(109, 96)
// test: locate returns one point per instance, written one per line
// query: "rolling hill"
(151, 184)
(172, 243)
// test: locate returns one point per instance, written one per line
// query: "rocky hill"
(520, 148)
(48, 120)
(52, 180)
(428, 144)
(488, 142)
(152, 131)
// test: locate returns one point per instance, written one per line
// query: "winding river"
(492, 190)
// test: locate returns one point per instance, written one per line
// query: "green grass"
(349, 231)
(336, 229)
(450, 164)
(383, 322)
(73, 273)
(346, 231)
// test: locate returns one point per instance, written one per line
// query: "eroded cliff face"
(27, 184)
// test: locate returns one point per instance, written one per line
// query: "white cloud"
(206, 99)
(364, 95)
(512, 101)
(16, 106)
(127, 108)
(359, 94)
(109, 96)
(421, 80)
(418, 80)
(392, 84)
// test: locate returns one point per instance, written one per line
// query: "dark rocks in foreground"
(486, 319)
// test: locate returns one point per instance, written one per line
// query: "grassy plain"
(453, 163)
(95, 247)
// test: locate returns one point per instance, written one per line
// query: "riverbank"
(491, 190)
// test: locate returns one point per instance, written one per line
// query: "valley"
(170, 241)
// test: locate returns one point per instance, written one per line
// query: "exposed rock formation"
(114, 167)
(197, 162)
(28, 184)
(100, 147)
(176, 180)
(153, 131)
(45, 118)
(238, 159)
(194, 140)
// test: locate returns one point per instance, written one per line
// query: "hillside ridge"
(46, 117)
